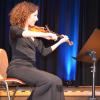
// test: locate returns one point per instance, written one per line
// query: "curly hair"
(21, 12)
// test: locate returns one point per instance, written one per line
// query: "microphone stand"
(92, 54)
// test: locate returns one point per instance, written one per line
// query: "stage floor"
(69, 92)
(81, 91)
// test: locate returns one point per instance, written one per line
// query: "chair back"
(3, 63)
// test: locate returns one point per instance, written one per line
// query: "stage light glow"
(66, 64)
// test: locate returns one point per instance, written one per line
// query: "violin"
(38, 29)
(47, 30)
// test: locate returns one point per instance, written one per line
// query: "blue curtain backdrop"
(68, 25)
(62, 16)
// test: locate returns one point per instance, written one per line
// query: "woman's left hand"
(65, 38)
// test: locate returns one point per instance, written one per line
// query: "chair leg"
(7, 90)
(14, 92)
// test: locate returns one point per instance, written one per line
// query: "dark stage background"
(89, 19)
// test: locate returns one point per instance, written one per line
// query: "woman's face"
(32, 18)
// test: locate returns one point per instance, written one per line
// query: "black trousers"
(48, 86)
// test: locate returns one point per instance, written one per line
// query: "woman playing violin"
(25, 43)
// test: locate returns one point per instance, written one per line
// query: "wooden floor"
(81, 93)
(70, 93)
